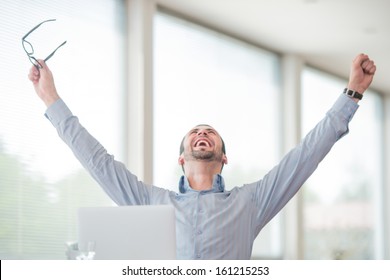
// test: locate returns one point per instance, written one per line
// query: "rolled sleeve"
(341, 114)
(58, 112)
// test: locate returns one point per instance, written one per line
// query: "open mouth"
(202, 143)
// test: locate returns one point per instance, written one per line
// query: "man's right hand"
(362, 73)
(43, 82)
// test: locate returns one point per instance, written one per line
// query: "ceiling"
(327, 34)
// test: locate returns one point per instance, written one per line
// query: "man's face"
(203, 143)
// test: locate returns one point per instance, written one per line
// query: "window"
(204, 77)
(41, 183)
(341, 199)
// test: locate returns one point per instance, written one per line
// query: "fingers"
(44, 71)
(363, 61)
(360, 58)
(34, 74)
(369, 66)
(43, 64)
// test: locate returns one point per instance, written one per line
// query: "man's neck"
(200, 175)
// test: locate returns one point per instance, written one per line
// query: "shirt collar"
(218, 185)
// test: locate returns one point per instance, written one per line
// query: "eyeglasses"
(29, 49)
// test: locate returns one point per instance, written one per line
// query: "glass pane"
(41, 183)
(341, 197)
(204, 77)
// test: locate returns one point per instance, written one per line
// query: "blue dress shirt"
(212, 224)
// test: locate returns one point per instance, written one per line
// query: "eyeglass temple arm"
(32, 30)
(50, 55)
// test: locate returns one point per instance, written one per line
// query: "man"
(211, 223)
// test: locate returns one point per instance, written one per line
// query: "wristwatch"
(353, 93)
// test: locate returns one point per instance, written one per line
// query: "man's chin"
(203, 155)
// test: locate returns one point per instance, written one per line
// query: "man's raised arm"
(119, 183)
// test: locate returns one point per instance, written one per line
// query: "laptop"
(129, 232)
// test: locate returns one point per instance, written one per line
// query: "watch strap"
(353, 93)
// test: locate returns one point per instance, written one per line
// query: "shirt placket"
(198, 229)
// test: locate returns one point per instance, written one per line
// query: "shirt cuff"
(58, 112)
(345, 106)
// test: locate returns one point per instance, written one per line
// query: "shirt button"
(199, 232)
(198, 256)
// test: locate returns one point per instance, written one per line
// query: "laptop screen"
(129, 232)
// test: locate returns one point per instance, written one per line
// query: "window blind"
(41, 183)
